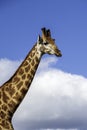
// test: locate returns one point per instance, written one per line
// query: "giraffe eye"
(46, 43)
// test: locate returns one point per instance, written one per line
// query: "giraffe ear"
(39, 39)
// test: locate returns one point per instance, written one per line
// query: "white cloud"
(56, 99)
(7, 68)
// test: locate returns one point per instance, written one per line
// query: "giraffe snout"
(58, 53)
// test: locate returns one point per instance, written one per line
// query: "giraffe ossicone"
(14, 90)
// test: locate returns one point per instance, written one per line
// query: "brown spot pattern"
(27, 68)
(5, 124)
(26, 83)
(32, 63)
(23, 91)
(36, 58)
(5, 97)
(10, 89)
(2, 114)
(29, 76)
(21, 71)
(12, 104)
(25, 63)
(16, 79)
(24, 76)
(19, 85)
(4, 107)
(17, 98)
(29, 59)
(32, 72)
(32, 54)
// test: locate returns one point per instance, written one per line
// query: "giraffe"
(14, 90)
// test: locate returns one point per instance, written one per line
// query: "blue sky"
(60, 86)
(21, 21)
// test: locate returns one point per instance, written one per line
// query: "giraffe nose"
(58, 53)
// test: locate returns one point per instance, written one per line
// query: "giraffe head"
(47, 43)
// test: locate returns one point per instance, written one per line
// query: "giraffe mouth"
(58, 53)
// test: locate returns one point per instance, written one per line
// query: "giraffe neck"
(14, 90)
